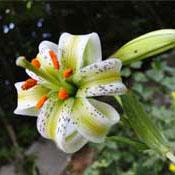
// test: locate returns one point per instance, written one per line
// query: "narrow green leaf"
(146, 45)
(140, 121)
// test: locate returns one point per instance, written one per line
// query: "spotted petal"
(27, 99)
(93, 118)
(100, 79)
(77, 51)
(55, 122)
(44, 48)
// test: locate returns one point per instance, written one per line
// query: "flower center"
(57, 79)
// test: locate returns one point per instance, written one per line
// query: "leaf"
(155, 75)
(146, 45)
(126, 72)
(140, 77)
(136, 65)
(145, 129)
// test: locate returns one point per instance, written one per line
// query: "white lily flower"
(64, 78)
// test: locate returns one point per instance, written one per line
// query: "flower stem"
(143, 126)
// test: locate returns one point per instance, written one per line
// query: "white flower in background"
(64, 78)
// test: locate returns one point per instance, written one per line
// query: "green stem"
(142, 124)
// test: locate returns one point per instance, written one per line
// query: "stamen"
(36, 63)
(29, 83)
(41, 102)
(22, 62)
(63, 94)
(67, 73)
(54, 59)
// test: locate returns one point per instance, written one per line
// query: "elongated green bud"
(143, 126)
(146, 45)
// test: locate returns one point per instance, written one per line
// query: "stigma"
(29, 83)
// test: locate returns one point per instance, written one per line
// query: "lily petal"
(67, 136)
(33, 75)
(99, 79)
(54, 122)
(44, 56)
(77, 51)
(102, 89)
(27, 99)
(28, 111)
(47, 112)
(107, 69)
(93, 118)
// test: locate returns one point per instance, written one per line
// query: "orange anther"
(67, 73)
(41, 102)
(54, 59)
(36, 63)
(63, 94)
(29, 83)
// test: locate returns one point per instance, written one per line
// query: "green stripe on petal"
(92, 123)
(67, 136)
(76, 51)
(48, 112)
(100, 79)
(27, 99)
(104, 71)
(54, 122)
